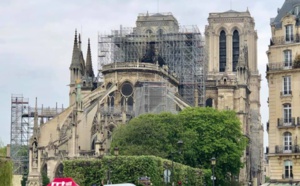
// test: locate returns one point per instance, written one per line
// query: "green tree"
(206, 132)
(5, 168)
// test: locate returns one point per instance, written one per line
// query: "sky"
(36, 41)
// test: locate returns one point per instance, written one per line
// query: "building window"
(222, 51)
(235, 49)
(288, 169)
(287, 85)
(296, 10)
(148, 31)
(209, 102)
(287, 114)
(287, 58)
(289, 33)
(287, 142)
(160, 32)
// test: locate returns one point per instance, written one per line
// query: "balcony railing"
(291, 176)
(281, 40)
(286, 122)
(287, 149)
(286, 93)
(278, 66)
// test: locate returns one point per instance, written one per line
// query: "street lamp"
(116, 153)
(179, 144)
(213, 163)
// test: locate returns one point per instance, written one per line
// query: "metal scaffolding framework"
(22, 121)
(153, 97)
(182, 51)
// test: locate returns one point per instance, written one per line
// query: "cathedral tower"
(233, 80)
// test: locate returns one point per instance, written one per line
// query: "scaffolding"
(182, 51)
(22, 121)
(152, 97)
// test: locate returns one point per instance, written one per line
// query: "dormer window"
(296, 10)
(289, 33)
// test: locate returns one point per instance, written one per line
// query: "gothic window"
(160, 32)
(44, 170)
(148, 31)
(222, 51)
(127, 96)
(287, 85)
(59, 173)
(110, 99)
(209, 102)
(235, 49)
(288, 169)
(289, 33)
(287, 114)
(93, 144)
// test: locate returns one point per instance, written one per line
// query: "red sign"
(63, 182)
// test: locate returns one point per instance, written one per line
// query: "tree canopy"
(206, 133)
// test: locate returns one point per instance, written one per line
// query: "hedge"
(127, 169)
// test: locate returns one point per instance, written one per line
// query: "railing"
(278, 66)
(281, 40)
(291, 176)
(286, 93)
(287, 149)
(286, 122)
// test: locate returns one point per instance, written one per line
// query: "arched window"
(160, 32)
(222, 51)
(288, 169)
(148, 31)
(127, 96)
(209, 102)
(59, 173)
(287, 142)
(287, 114)
(235, 49)
(110, 99)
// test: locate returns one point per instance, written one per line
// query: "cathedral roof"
(232, 11)
(287, 8)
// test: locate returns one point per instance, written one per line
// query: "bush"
(127, 169)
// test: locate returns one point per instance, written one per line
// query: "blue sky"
(36, 40)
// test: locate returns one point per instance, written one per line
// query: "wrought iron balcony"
(291, 176)
(287, 149)
(286, 93)
(282, 40)
(286, 122)
(278, 66)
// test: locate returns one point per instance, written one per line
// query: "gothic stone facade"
(233, 80)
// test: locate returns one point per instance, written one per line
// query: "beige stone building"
(233, 81)
(154, 67)
(283, 76)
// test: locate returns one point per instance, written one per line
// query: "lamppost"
(213, 163)
(116, 153)
(179, 144)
